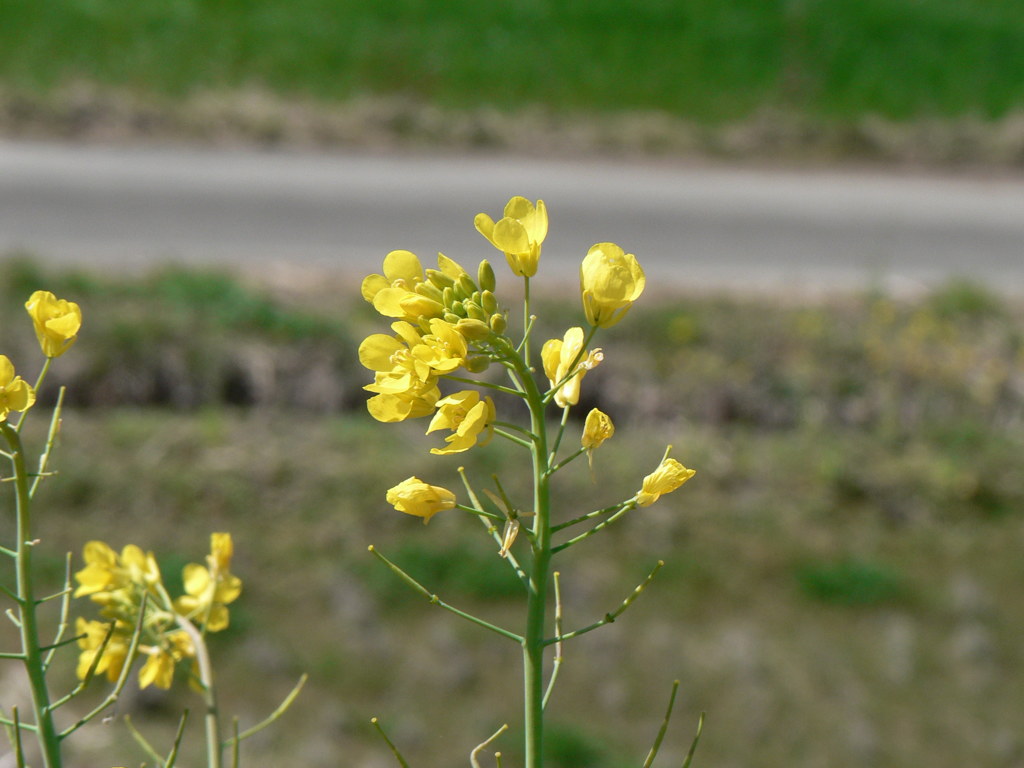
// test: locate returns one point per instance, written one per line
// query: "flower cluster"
(130, 590)
(446, 324)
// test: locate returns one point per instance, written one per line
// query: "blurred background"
(828, 200)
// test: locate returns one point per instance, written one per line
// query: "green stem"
(214, 746)
(49, 742)
(536, 602)
(38, 385)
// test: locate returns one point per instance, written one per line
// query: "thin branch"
(483, 745)
(122, 679)
(588, 516)
(696, 739)
(276, 714)
(394, 749)
(611, 617)
(512, 438)
(172, 756)
(664, 727)
(486, 384)
(19, 753)
(435, 600)
(143, 742)
(51, 438)
(65, 610)
(626, 507)
(557, 664)
(558, 437)
(484, 516)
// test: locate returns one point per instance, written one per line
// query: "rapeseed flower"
(518, 234)
(159, 667)
(415, 497)
(596, 429)
(669, 475)
(468, 416)
(57, 322)
(91, 635)
(210, 588)
(15, 392)
(565, 363)
(393, 294)
(610, 281)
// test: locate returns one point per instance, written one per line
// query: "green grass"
(842, 578)
(701, 59)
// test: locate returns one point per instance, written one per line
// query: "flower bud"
(489, 302)
(473, 329)
(56, 321)
(431, 291)
(498, 323)
(475, 311)
(440, 279)
(451, 317)
(478, 364)
(669, 475)
(597, 428)
(415, 497)
(467, 286)
(610, 281)
(485, 276)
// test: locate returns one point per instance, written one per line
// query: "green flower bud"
(473, 329)
(485, 276)
(475, 311)
(439, 278)
(478, 364)
(489, 302)
(467, 285)
(450, 317)
(448, 296)
(498, 323)
(431, 291)
(459, 309)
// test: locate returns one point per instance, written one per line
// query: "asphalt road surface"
(122, 208)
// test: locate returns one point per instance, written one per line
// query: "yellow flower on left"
(415, 497)
(15, 393)
(57, 322)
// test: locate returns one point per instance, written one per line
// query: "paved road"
(122, 208)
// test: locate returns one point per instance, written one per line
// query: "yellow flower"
(669, 475)
(159, 667)
(610, 281)
(596, 429)
(558, 355)
(56, 321)
(15, 393)
(414, 497)
(467, 416)
(210, 588)
(106, 571)
(406, 377)
(393, 294)
(91, 636)
(518, 234)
